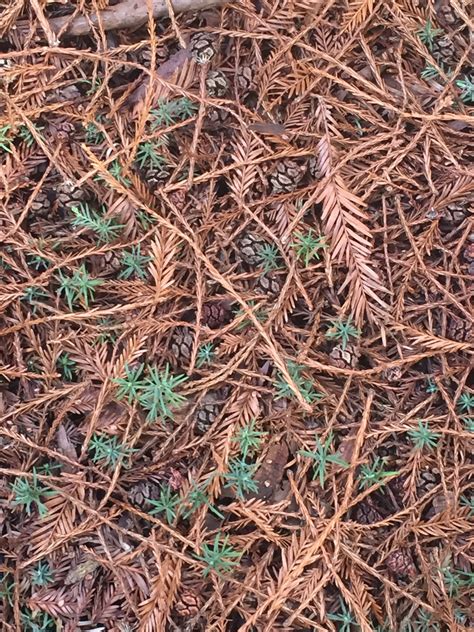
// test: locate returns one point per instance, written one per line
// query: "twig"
(127, 14)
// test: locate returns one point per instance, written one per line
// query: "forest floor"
(236, 257)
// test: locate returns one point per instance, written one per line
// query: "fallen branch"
(127, 14)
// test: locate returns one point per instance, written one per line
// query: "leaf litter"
(236, 318)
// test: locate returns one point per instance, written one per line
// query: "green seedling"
(428, 34)
(66, 366)
(167, 504)
(106, 229)
(130, 386)
(344, 618)
(240, 477)
(374, 474)
(42, 575)
(343, 330)
(5, 141)
(148, 155)
(219, 557)
(249, 439)
(171, 112)
(108, 450)
(322, 457)
(466, 402)
(28, 492)
(205, 354)
(466, 86)
(26, 136)
(157, 393)
(423, 437)
(307, 246)
(198, 497)
(305, 386)
(80, 287)
(134, 264)
(270, 258)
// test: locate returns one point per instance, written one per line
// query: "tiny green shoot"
(307, 246)
(374, 474)
(219, 556)
(166, 504)
(305, 386)
(134, 263)
(321, 456)
(66, 366)
(108, 450)
(342, 330)
(28, 492)
(423, 437)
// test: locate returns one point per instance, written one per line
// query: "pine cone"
(393, 374)
(428, 480)
(182, 344)
(156, 176)
(141, 493)
(366, 513)
(68, 195)
(188, 604)
(400, 563)
(215, 315)
(206, 416)
(313, 168)
(448, 17)
(443, 51)
(286, 176)
(344, 358)
(250, 245)
(202, 48)
(268, 284)
(217, 116)
(459, 329)
(453, 215)
(216, 84)
(41, 206)
(245, 79)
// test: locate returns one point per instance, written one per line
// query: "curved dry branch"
(127, 14)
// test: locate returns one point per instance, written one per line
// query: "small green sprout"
(115, 170)
(322, 457)
(469, 503)
(29, 492)
(33, 295)
(249, 439)
(259, 314)
(219, 557)
(270, 257)
(5, 142)
(157, 394)
(171, 112)
(105, 228)
(428, 34)
(166, 504)
(423, 437)
(27, 137)
(94, 136)
(42, 575)
(196, 498)
(344, 618)
(38, 262)
(145, 219)
(6, 588)
(36, 621)
(95, 85)
(305, 386)
(148, 155)
(468, 423)
(467, 87)
(466, 402)
(205, 354)
(66, 366)
(108, 450)
(80, 287)
(134, 263)
(431, 386)
(240, 477)
(342, 330)
(374, 474)
(307, 245)
(130, 386)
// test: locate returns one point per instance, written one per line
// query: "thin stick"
(127, 14)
